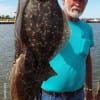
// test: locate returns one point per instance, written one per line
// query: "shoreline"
(7, 21)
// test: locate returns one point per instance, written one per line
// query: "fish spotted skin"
(42, 27)
(39, 34)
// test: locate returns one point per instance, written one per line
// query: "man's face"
(74, 8)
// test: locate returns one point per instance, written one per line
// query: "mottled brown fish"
(39, 33)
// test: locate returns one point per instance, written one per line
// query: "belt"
(63, 93)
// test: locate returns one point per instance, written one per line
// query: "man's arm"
(89, 95)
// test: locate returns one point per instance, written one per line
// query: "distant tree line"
(6, 17)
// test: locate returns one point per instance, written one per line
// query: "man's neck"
(74, 19)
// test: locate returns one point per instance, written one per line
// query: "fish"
(40, 32)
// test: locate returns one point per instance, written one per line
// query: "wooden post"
(97, 94)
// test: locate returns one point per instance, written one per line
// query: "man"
(73, 62)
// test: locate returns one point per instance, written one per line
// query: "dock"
(91, 20)
(7, 21)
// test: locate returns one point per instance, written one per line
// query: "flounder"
(40, 32)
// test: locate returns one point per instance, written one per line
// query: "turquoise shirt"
(70, 62)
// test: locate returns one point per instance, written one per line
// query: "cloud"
(7, 10)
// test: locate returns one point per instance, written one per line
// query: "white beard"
(75, 14)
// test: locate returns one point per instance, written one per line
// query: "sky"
(92, 10)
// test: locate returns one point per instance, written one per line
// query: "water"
(96, 52)
(7, 55)
(6, 58)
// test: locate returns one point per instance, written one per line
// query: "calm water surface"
(7, 55)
